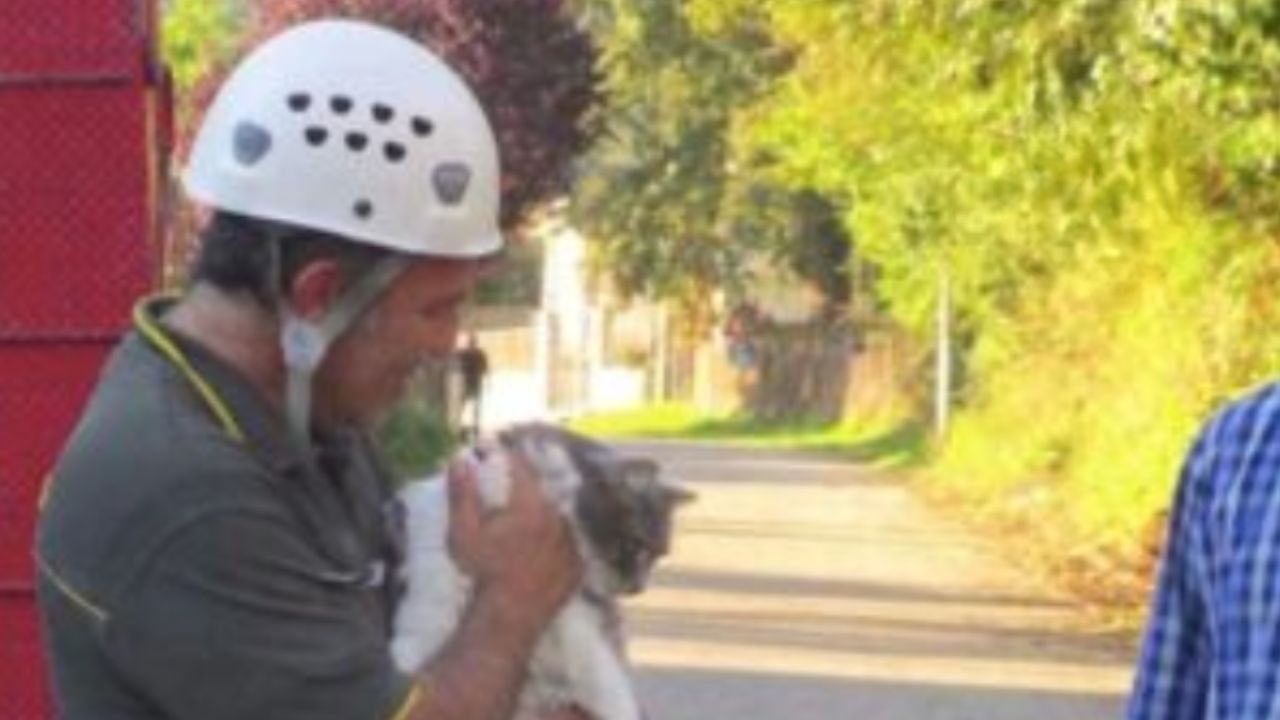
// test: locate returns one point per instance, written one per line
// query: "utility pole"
(661, 352)
(942, 390)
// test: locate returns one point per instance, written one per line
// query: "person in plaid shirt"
(1212, 644)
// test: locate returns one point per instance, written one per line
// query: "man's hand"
(525, 566)
(523, 553)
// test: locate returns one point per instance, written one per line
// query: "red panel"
(73, 37)
(77, 215)
(74, 208)
(23, 679)
(42, 391)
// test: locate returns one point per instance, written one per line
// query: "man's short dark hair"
(235, 255)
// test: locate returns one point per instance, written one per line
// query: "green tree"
(1099, 181)
(680, 208)
(658, 193)
(196, 35)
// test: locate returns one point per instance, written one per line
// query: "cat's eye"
(633, 548)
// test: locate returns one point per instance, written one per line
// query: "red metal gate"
(81, 172)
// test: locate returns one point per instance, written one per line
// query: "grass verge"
(881, 442)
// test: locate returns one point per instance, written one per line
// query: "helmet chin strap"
(305, 343)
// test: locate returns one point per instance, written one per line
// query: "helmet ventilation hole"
(341, 104)
(357, 141)
(395, 152)
(363, 209)
(316, 136)
(383, 113)
(422, 127)
(299, 102)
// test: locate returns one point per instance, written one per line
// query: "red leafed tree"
(529, 62)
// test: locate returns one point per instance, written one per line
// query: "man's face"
(416, 318)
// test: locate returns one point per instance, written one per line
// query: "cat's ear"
(678, 493)
(643, 476)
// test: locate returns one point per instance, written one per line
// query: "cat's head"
(626, 508)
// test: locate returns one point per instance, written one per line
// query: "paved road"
(805, 589)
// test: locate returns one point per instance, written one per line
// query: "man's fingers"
(572, 712)
(464, 505)
(524, 480)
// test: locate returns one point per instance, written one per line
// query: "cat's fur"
(620, 510)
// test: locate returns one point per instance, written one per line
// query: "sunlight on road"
(742, 644)
(817, 577)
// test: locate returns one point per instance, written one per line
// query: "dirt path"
(803, 588)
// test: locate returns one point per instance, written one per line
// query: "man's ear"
(315, 288)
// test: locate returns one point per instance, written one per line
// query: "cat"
(620, 509)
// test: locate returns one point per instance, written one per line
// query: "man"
(473, 365)
(218, 540)
(1212, 646)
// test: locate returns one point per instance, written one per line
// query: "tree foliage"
(1098, 179)
(196, 34)
(676, 211)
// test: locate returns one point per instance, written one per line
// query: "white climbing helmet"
(355, 130)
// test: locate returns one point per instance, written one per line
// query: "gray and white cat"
(620, 509)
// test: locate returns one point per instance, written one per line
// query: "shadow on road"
(675, 693)
(732, 609)
(738, 582)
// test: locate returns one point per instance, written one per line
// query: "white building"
(574, 353)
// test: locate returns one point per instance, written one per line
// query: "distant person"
(741, 331)
(473, 365)
(1212, 645)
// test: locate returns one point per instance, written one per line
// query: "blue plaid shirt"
(1212, 646)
